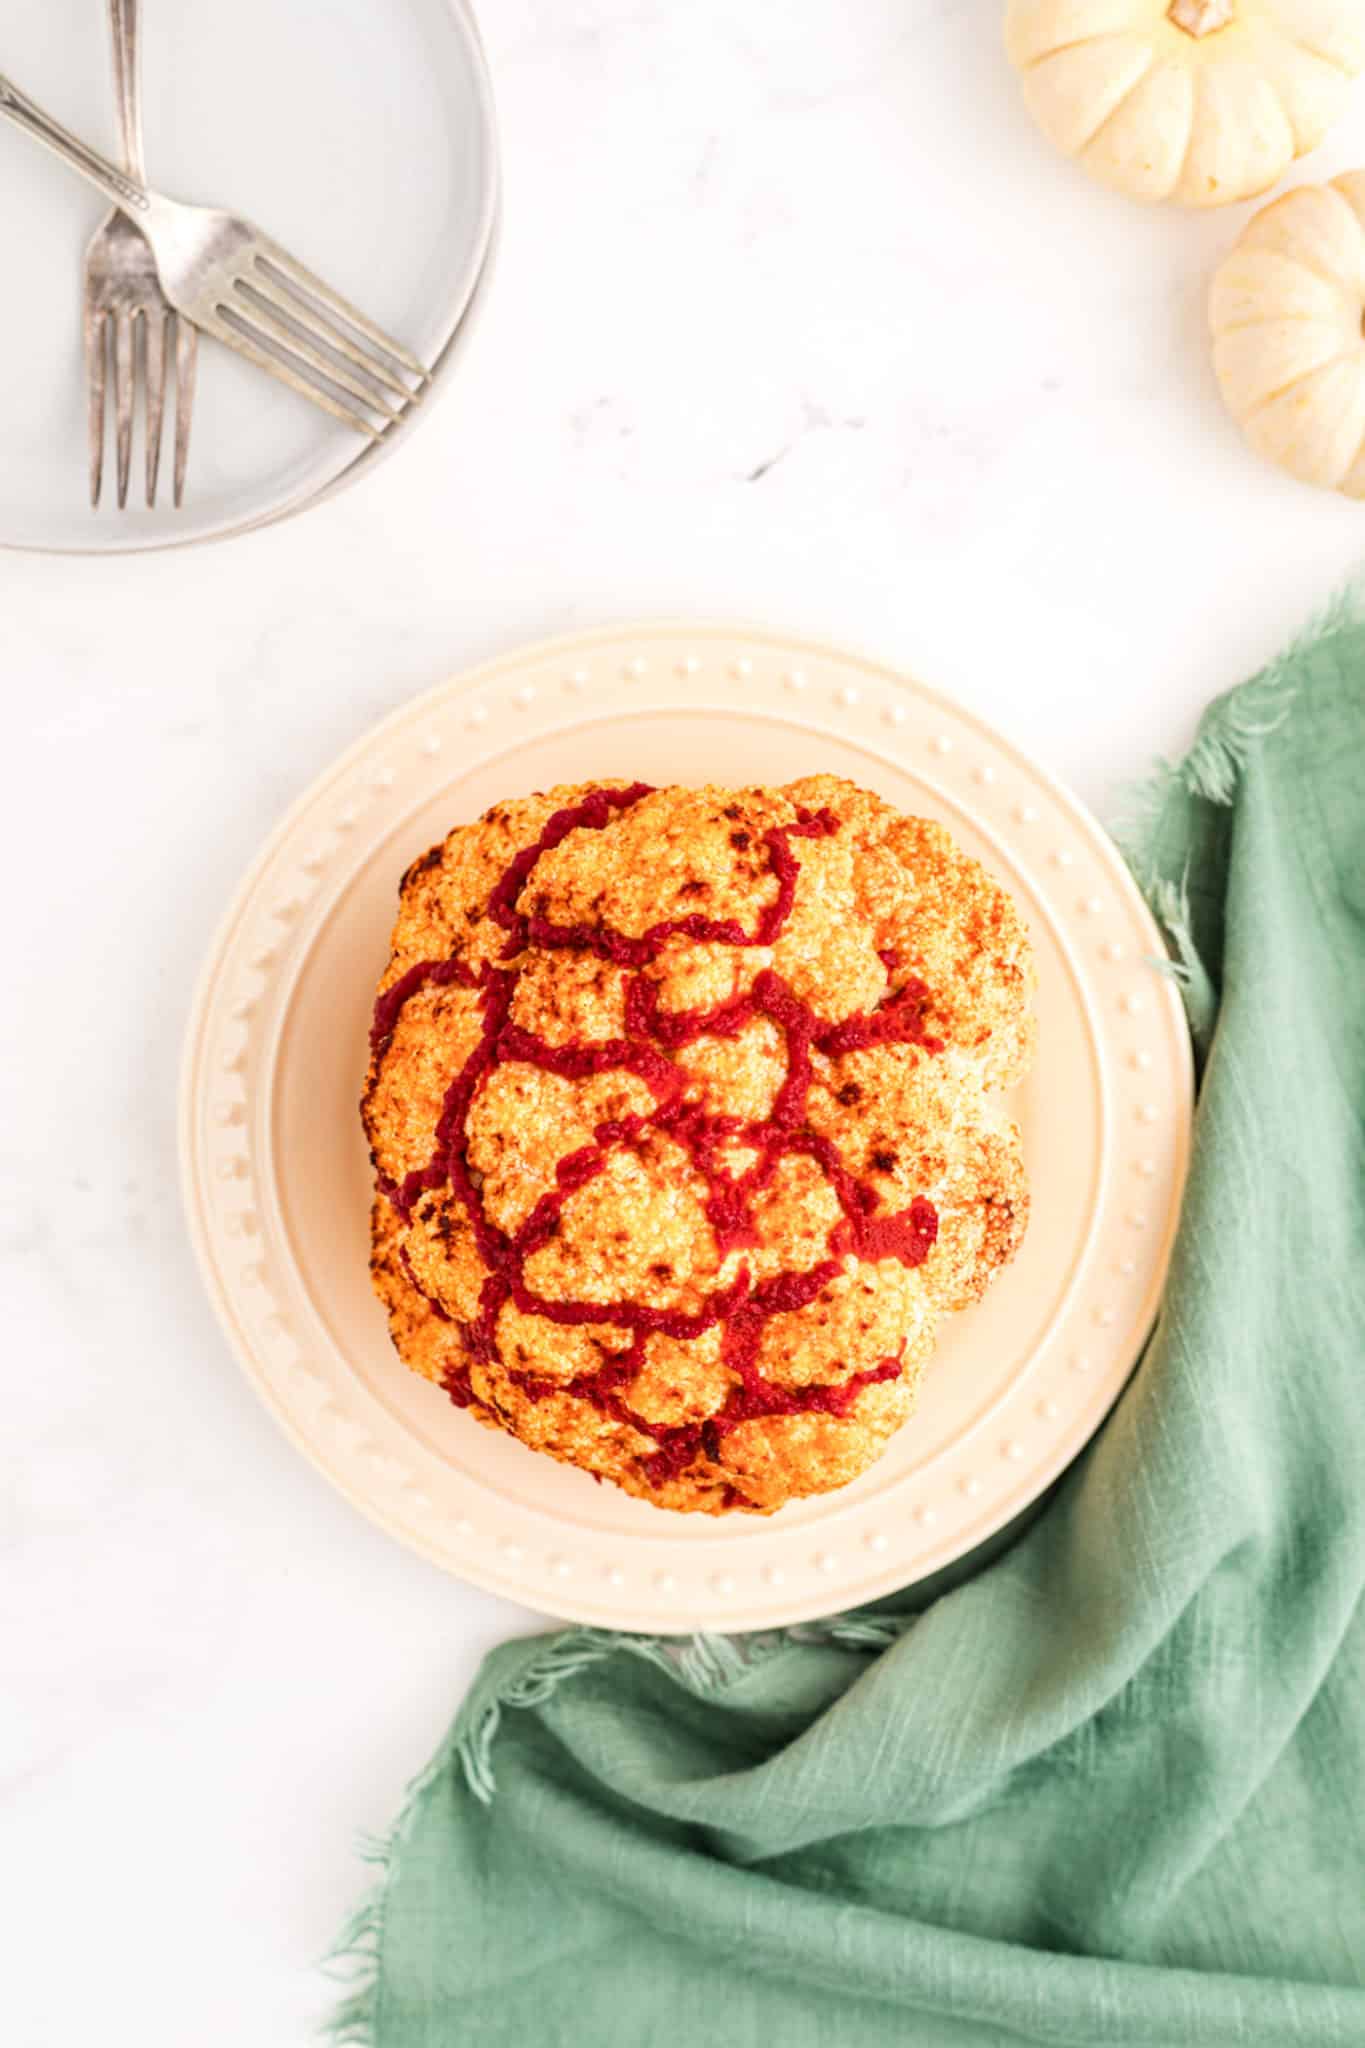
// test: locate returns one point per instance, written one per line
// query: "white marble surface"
(796, 320)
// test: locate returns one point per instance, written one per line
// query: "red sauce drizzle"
(389, 1005)
(864, 1230)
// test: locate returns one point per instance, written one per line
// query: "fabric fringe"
(565, 1658)
(1214, 765)
(705, 1664)
(865, 1631)
(1170, 903)
(1229, 732)
(354, 1957)
(1230, 729)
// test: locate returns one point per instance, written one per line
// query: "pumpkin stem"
(1201, 17)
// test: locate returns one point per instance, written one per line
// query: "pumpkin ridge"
(1328, 79)
(1337, 480)
(1290, 132)
(1190, 133)
(1327, 277)
(1259, 320)
(1337, 284)
(1338, 70)
(1329, 363)
(1299, 148)
(1112, 35)
(1122, 100)
(1300, 42)
(1296, 265)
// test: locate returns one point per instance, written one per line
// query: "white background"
(816, 239)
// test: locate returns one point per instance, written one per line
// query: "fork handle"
(123, 25)
(125, 192)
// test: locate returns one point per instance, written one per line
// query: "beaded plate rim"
(684, 1576)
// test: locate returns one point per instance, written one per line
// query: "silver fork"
(233, 282)
(121, 289)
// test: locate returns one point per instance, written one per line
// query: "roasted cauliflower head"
(685, 1112)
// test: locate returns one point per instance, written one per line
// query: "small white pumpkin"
(1287, 309)
(1200, 101)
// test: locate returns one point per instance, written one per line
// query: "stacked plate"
(361, 136)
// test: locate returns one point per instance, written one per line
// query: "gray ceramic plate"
(362, 137)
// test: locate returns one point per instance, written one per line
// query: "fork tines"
(287, 321)
(130, 336)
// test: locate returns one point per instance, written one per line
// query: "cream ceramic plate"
(278, 1185)
(360, 135)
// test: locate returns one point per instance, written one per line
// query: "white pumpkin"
(1200, 101)
(1287, 309)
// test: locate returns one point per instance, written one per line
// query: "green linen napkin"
(1111, 1789)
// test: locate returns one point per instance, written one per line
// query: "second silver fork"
(127, 316)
